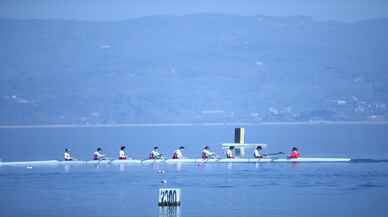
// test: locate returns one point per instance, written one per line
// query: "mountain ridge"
(192, 68)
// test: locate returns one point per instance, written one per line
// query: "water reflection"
(169, 211)
(122, 167)
(67, 168)
(294, 165)
(156, 166)
(179, 166)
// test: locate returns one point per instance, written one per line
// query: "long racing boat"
(174, 161)
(73, 162)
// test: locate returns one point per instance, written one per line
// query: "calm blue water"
(331, 189)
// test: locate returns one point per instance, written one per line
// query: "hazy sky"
(346, 10)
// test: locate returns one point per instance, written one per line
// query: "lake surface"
(358, 188)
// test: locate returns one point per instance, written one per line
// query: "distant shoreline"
(234, 124)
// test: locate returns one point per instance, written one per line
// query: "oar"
(213, 156)
(109, 159)
(161, 158)
(72, 159)
(277, 153)
(273, 155)
(75, 158)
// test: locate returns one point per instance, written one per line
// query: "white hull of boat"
(75, 162)
(262, 160)
(173, 161)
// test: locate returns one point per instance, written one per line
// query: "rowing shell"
(262, 160)
(173, 161)
(75, 162)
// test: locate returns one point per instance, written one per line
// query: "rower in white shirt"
(155, 154)
(97, 155)
(67, 156)
(122, 155)
(178, 153)
(257, 153)
(229, 152)
(206, 153)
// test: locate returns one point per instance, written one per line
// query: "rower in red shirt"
(295, 153)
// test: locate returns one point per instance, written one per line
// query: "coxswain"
(295, 153)
(67, 156)
(257, 153)
(97, 155)
(206, 153)
(155, 155)
(122, 155)
(229, 152)
(178, 153)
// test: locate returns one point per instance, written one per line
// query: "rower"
(122, 155)
(155, 154)
(257, 153)
(295, 153)
(229, 152)
(178, 153)
(206, 153)
(97, 155)
(66, 155)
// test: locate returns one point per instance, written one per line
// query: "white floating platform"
(173, 161)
